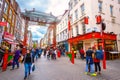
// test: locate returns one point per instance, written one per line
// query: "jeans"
(97, 66)
(15, 61)
(27, 68)
(82, 56)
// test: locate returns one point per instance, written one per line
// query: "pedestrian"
(27, 63)
(36, 53)
(16, 57)
(89, 60)
(45, 52)
(82, 53)
(97, 63)
(33, 54)
(2, 51)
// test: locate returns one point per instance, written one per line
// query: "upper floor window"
(111, 10)
(82, 9)
(12, 1)
(75, 2)
(13, 19)
(5, 8)
(76, 14)
(118, 1)
(10, 14)
(100, 6)
(70, 5)
(8, 27)
(83, 28)
(71, 18)
(77, 30)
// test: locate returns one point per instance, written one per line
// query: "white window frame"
(82, 9)
(100, 5)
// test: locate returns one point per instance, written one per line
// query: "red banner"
(3, 23)
(69, 25)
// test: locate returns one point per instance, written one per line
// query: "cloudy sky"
(57, 7)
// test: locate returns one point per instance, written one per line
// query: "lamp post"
(103, 26)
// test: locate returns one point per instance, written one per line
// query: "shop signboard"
(8, 36)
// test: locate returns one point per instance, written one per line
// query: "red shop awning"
(93, 35)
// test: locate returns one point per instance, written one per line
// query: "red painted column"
(104, 57)
(5, 61)
(73, 55)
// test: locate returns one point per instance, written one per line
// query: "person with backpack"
(27, 63)
(89, 62)
(97, 57)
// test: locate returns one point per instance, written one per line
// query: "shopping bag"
(33, 67)
(92, 68)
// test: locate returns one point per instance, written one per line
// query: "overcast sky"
(57, 7)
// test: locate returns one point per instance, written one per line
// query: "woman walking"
(27, 63)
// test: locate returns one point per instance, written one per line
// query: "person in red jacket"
(97, 64)
(82, 52)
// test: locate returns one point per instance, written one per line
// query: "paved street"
(62, 69)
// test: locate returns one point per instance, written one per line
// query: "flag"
(69, 25)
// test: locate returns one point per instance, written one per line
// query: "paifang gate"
(40, 18)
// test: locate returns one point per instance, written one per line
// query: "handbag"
(33, 67)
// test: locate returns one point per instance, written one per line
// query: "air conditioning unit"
(113, 20)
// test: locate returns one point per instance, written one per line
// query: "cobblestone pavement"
(62, 69)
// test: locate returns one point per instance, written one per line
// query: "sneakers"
(29, 73)
(25, 77)
(93, 74)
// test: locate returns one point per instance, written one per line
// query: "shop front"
(95, 39)
(63, 44)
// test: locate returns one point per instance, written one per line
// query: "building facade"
(1, 8)
(18, 25)
(62, 31)
(109, 12)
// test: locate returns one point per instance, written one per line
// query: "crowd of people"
(92, 60)
(31, 55)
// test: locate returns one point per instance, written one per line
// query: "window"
(83, 28)
(5, 8)
(71, 18)
(10, 14)
(8, 27)
(12, 1)
(118, 1)
(111, 10)
(72, 31)
(76, 14)
(100, 6)
(77, 30)
(75, 2)
(82, 9)
(70, 5)
(13, 19)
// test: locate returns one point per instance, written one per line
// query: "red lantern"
(85, 20)
(98, 19)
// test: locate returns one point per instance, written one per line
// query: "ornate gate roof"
(40, 17)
